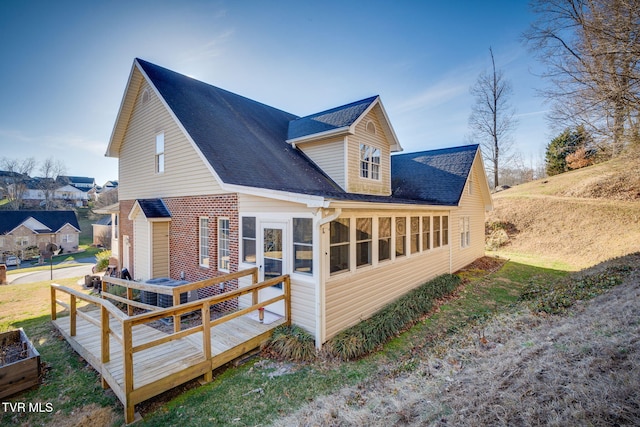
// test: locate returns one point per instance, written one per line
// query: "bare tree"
(492, 119)
(49, 170)
(592, 52)
(15, 179)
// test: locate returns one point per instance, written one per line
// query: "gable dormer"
(352, 144)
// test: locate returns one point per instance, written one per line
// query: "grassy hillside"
(572, 220)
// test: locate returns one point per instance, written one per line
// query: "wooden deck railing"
(127, 322)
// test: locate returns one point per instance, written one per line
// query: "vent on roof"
(371, 127)
(145, 96)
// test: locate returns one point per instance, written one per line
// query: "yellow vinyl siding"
(253, 204)
(356, 184)
(473, 206)
(352, 297)
(329, 156)
(185, 173)
(356, 294)
(160, 249)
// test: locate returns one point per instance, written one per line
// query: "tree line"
(591, 53)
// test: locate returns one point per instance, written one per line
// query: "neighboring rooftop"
(54, 220)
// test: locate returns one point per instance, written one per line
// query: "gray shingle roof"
(154, 208)
(243, 140)
(435, 176)
(55, 220)
(324, 121)
(245, 143)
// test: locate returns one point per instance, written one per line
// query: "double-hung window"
(249, 239)
(204, 242)
(436, 232)
(223, 244)
(160, 153)
(445, 230)
(369, 162)
(303, 245)
(426, 233)
(339, 245)
(465, 232)
(415, 234)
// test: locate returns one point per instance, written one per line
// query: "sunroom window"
(303, 245)
(363, 241)
(339, 245)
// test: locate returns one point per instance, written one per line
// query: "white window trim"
(201, 260)
(160, 154)
(309, 245)
(465, 232)
(221, 259)
(370, 163)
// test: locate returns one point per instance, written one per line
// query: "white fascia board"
(319, 135)
(111, 152)
(66, 223)
(387, 206)
(395, 145)
(305, 199)
(182, 128)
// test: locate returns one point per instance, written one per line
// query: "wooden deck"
(138, 361)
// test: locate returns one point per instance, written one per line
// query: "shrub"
(392, 319)
(291, 342)
(102, 260)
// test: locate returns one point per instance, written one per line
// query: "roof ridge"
(341, 107)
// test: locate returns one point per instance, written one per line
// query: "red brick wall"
(184, 237)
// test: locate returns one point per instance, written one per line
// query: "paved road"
(82, 269)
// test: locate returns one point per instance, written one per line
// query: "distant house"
(102, 231)
(81, 182)
(212, 182)
(22, 230)
(38, 189)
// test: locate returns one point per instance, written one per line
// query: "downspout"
(319, 294)
(336, 213)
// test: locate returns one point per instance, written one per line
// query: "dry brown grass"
(521, 369)
(581, 218)
(581, 368)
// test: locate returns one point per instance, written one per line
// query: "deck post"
(206, 338)
(53, 303)
(127, 353)
(287, 298)
(103, 286)
(72, 316)
(176, 318)
(105, 352)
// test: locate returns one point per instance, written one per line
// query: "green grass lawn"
(251, 393)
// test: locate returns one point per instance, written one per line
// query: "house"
(37, 192)
(80, 182)
(212, 182)
(102, 231)
(32, 231)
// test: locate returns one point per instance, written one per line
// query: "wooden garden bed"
(19, 363)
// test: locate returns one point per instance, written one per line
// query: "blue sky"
(65, 65)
